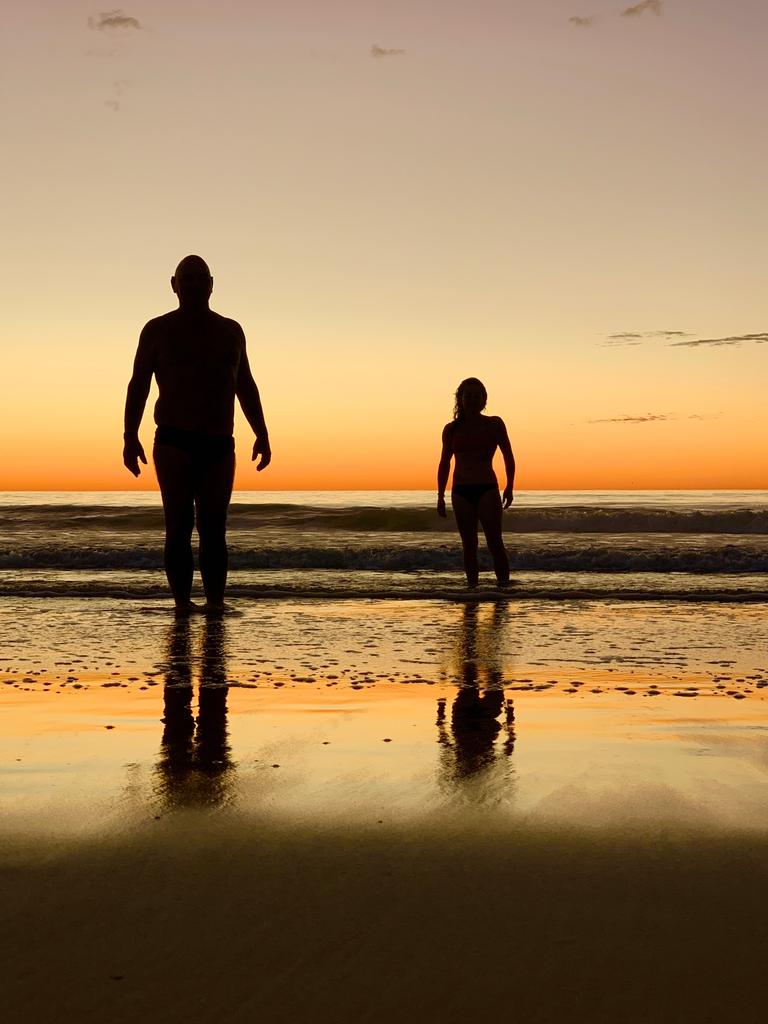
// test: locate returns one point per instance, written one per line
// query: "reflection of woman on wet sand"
(195, 767)
(476, 717)
(472, 439)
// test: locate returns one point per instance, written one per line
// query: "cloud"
(760, 338)
(119, 89)
(684, 339)
(634, 338)
(645, 5)
(648, 418)
(380, 51)
(588, 20)
(107, 21)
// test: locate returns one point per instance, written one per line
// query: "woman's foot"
(183, 610)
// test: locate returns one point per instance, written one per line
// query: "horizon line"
(356, 490)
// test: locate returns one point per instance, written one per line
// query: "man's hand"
(507, 497)
(132, 454)
(261, 447)
(441, 506)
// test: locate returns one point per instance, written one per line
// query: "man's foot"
(218, 608)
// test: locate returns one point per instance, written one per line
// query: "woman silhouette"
(472, 439)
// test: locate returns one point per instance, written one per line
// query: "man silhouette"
(199, 361)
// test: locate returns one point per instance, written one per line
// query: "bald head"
(192, 282)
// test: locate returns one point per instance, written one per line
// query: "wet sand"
(368, 814)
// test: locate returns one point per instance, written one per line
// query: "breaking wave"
(570, 557)
(577, 519)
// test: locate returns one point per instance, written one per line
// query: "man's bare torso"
(196, 360)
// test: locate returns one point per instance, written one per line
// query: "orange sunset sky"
(566, 199)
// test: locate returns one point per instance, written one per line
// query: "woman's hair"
(458, 409)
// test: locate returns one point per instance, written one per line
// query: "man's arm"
(136, 399)
(250, 402)
(509, 462)
(443, 469)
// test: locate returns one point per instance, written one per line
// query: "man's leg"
(214, 478)
(174, 474)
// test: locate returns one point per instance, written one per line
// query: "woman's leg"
(466, 521)
(174, 474)
(489, 512)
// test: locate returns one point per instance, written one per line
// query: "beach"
(330, 289)
(367, 809)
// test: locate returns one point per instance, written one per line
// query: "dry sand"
(244, 921)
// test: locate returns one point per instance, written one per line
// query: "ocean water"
(684, 545)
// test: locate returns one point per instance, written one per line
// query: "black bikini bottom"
(198, 446)
(473, 492)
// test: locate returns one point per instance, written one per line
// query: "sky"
(565, 198)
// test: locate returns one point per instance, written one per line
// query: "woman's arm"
(444, 469)
(509, 462)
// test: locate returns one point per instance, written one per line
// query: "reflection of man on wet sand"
(199, 361)
(195, 765)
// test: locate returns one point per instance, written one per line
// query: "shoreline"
(141, 586)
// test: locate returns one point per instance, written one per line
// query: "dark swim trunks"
(198, 446)
(473, 492)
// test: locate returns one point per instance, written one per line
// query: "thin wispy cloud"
(626, 338)
(635, 11)
(647, 418)
(119, 27)
(381, 51)
(109, 21)
(635, 338)
(651, 417)
(656, 6)
(119, 88)
(761, 338)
